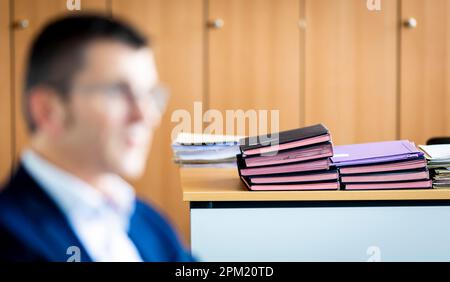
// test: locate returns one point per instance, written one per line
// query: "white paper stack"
(206, 150)
(438, 157)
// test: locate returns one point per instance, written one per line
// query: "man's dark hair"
(56, 53)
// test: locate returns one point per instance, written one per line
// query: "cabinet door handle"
(216, 24)
(21, 24)
(410, 23)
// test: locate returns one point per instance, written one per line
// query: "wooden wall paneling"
(176, 28)
(5, 93)
(254, 59)
(425, 70)
(351, 69)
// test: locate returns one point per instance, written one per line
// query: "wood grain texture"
(351, 69)
(176, 28)
(5, 93)
(425, 70)
(254, 59)
(212, 184)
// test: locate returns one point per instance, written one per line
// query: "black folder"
(284, 137)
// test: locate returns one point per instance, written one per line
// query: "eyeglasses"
(157, 95)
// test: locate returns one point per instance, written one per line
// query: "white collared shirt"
(100, 222)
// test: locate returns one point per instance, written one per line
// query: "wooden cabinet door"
(351, 69)
(5, 94)
(254, 59)
(425, 70)
(176, 28)
(29, 18)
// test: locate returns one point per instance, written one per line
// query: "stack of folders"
(205, 150)
(438, 157)
(299, 161)
(382, 166)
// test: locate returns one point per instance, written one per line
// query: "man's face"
(110, 114)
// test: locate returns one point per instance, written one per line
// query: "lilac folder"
(370, 153)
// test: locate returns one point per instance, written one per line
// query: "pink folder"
(294, 187)
(322, 164)
(386, 177)
(309, 177)
(286, 146)
(389, 186)
(295, 155)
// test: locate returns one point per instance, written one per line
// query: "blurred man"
(91, 104)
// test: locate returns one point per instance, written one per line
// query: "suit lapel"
(46, 227)
(141, 236)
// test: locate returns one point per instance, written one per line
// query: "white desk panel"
(374, 233)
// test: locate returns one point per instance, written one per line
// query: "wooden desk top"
(223, 184)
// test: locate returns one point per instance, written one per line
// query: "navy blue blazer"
(33, 228)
